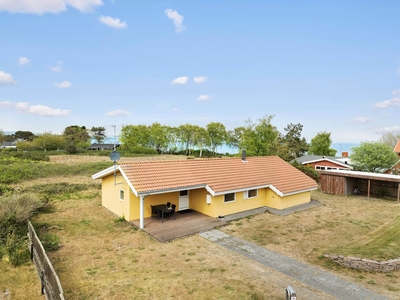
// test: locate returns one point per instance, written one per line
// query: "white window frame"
(234, 197)
(246, 194)
(121, 195)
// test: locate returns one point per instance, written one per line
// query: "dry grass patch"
(102, 257)
(335, 228)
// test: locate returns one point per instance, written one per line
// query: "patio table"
(163, 209)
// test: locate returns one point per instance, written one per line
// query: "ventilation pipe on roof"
(244, 156)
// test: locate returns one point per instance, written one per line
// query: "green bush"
(19, 206)
(5, 189)
(15, 209)
(50, 242)
(307, 170)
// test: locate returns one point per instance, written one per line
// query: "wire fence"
(50, 284)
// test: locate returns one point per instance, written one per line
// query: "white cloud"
(384, 130)
(204, 98)
(63, 85)
(57, 67)
(6, 78)
(84, 5)
(176, 18)
(118, 112)
(388, 103)
(362, 120)
(23, 61)
(115, 23)
(47, 6)
(199, 79)
(180, 80)
(39, 110)
(395, 101)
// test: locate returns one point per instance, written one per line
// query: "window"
(319, 168)
(251, 193)
(229, 197)
(183, 193)
(121, 195)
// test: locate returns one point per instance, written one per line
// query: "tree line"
(258, 138)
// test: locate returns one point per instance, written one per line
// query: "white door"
(183, 200)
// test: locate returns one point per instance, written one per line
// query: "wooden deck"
(185, 223)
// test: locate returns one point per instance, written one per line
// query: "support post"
(141, 208)
(369, 187)
(398, 193)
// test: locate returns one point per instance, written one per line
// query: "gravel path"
(311, 276)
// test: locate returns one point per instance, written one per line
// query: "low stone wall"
(366, 264)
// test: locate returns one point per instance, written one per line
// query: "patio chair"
(168, 204)
(154, 212)
(172, 211)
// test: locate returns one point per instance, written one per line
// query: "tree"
(98, 133)
(24, 135)
(292, 145)
(49, 141)
(200, 138)
(375, 157)
(217, 135)
(235, 137)
(391, 138)
(158, 137)
(186, 136)
(259, 139)
(135, 136)
(2, 136)
(76, 137)
(321, 143)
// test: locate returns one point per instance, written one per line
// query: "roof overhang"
(364, 175)
(327, 159)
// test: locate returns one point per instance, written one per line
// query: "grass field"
(102, 257)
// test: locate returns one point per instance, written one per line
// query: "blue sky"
(330, 65)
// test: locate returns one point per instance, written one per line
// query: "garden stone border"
(366, 264)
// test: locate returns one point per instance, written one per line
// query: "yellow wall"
(151, 200)
(110, 196)
(130, 207)
(218, 207)
(275, 201)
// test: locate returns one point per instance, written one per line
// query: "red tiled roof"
(220, 175)
(397, 147)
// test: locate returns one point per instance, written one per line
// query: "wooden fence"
(50, 284)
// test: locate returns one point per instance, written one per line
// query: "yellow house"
(214, 187)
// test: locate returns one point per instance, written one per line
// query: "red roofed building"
(213, 187)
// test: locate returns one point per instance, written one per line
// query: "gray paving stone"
(312, 276)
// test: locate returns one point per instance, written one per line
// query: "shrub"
(15, 209)
(307, 170)
(50, 242)
(21, 206)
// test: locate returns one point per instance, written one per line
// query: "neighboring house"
(215, 187)
(396, 167)
(102, 146)
(8, 145)
(320, 163)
